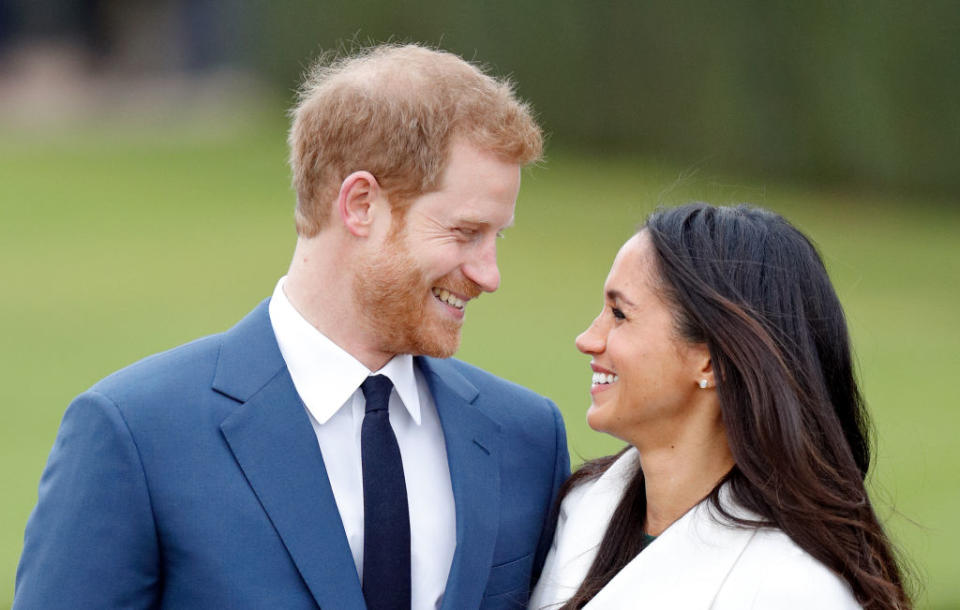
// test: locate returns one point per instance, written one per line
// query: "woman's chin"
(603, 419)
(596, 418)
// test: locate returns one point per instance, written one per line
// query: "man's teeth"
(448, 298)
(603, 378)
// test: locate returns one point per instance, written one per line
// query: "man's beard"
(393, 295)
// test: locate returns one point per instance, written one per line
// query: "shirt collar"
(325, 374)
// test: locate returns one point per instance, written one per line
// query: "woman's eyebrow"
(616, 295)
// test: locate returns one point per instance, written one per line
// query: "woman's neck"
(680, 473)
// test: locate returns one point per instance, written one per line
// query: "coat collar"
(249, 356)
(686, 565)
(683, 568)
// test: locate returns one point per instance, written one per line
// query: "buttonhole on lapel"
(478, 444)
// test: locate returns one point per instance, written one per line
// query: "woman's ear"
(705, 378)
(355, 202)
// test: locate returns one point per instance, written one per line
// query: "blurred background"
(145, 200)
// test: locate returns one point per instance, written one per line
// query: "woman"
(722, 357)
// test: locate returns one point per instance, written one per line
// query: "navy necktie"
(386, 517)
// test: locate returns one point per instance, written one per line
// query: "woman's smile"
(602, 379)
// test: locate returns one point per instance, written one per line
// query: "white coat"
(698, 563)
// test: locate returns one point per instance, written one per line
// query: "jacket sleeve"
(561, 472)
(91, 541)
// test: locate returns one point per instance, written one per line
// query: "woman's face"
(646, 378)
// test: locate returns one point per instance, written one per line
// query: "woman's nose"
(591, 341)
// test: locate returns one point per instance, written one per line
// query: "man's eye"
(617, 313)
(466, 231)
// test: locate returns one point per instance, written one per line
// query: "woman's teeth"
(603, 378)
(448, 298)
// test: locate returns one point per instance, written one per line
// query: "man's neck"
(319, 286)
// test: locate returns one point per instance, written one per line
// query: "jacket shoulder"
(774, 572)
(179, 367)
(184, 371)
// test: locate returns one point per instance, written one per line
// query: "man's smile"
(449, 298)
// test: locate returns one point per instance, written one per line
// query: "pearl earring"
(703, 384)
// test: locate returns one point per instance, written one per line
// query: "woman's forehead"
(633, 269)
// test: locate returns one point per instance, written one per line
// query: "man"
(305, 457)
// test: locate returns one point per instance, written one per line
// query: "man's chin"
(441, 349)
(439, 343)
(445, 353)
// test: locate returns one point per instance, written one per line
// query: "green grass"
(114, 245)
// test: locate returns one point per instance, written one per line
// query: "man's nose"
(482, 268)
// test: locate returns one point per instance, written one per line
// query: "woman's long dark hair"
(751, 287)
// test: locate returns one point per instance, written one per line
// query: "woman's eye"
(617, 313)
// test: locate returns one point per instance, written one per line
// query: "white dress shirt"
(328, 379)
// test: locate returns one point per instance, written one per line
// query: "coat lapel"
(584, 516)
(473, 444)
(273, 442)
(684, 568)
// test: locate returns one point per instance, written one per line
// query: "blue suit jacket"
(193, 479)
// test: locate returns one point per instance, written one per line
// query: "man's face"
(414, 290)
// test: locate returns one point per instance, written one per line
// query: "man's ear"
(355, 202)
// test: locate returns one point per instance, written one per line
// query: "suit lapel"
(473, 444)
(273, 442)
